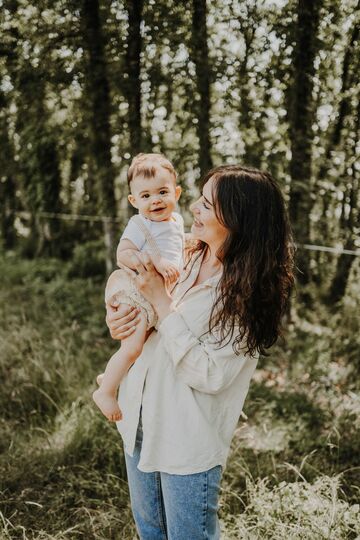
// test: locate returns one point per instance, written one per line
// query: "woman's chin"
(195, 231)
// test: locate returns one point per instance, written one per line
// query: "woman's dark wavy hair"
(257, 257)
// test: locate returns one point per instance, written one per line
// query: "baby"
(159, 231)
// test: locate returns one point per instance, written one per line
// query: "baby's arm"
(167, 269)
(124, 252)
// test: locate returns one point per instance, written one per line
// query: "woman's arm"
(201, 364)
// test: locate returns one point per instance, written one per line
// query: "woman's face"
(206, 226)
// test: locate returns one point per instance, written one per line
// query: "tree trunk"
(7, 185)
(38, 159)
(200, 55)
(8, 202)
(343, 111)
(133, 63)
(38, 164)
(248, 22)
(345, 261)
(343, 268)
(99, 99)
(334, 138)
(301, 120)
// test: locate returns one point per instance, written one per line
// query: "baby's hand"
(168, 270)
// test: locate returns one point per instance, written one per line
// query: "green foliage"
(60, 461)
(52, 108)
(88, 260)
(38, 352)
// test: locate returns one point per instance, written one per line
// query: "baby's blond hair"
(146, 165)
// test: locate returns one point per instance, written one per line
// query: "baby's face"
(155, 198)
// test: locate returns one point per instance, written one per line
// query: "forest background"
(84, 87)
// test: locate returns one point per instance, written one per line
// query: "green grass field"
(294, 468)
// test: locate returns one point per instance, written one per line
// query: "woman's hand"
(151, 284)
(121, 323)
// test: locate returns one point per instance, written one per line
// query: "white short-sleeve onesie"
(168, 235)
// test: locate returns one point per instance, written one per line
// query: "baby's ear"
(132, 201)
(178, 190)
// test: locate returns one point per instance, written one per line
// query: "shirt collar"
(184, 286)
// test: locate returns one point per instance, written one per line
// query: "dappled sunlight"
(265, 437)
(295, 510)
(65, 426)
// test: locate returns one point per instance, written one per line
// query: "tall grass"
(293, 470)
(61, 467)
(295, 510)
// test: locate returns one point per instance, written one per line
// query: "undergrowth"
(293, 468)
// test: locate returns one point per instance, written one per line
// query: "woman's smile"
(197, 223)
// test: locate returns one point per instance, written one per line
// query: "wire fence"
(108, 219)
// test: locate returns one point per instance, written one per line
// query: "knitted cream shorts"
(121, 287)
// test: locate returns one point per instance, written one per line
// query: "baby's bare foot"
(99, 379)
(107, 405)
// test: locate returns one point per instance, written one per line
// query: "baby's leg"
(117, 367)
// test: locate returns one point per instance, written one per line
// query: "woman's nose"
(193, 207)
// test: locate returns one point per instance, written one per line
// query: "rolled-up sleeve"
(199, 362)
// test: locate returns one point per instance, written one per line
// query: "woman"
(182, 398)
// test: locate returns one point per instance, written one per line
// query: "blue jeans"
(172, 506)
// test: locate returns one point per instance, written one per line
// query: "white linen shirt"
(191, 391)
